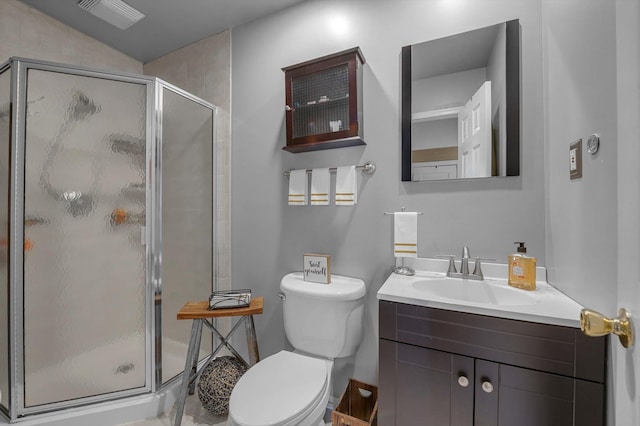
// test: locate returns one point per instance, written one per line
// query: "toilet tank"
(323, 319)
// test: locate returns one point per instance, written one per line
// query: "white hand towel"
(298, 184)
(320, 187)
(405, 236)
(346, 186)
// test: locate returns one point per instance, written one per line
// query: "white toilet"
(322, 322)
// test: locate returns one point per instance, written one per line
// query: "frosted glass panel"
(187, 227)
(84, 262)
(5, 120)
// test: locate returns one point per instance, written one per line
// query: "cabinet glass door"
(321, 102)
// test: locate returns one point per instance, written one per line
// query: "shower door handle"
(143, 235)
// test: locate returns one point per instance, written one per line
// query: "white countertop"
(544, 305)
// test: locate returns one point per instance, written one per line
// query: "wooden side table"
(201, 315)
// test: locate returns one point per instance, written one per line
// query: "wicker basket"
(358, 405)
(216, 382)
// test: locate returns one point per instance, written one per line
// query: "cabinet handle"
(288, 108)
(487, 386)
(463, 381)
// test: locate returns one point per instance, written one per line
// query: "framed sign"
(317, 268)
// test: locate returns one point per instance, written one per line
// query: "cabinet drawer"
(550, 348)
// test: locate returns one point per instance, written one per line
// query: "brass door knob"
(593, 323)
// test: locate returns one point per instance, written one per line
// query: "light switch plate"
(575, 160)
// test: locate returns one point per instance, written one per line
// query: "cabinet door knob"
(487, 386)
(288, 108)
(463, 381)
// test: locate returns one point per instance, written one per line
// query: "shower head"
(78, 204)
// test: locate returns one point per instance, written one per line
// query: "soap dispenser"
(522, 269)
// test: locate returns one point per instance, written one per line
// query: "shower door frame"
(157, 218)
(19, 68)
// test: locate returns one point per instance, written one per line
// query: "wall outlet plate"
(575, 160)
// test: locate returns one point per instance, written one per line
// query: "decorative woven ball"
(217, 380)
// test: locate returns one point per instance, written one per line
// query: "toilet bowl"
(285, 389)
(292, 388)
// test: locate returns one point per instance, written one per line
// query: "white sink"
(476, 292)
(493, 296)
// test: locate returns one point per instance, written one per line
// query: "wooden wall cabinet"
(324, 102)
(440, 367)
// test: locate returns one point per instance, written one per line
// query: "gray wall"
(270, 237)
(580, 99)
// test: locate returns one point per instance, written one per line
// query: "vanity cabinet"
(440, 367)
(324, 102)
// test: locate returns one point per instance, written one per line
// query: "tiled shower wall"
(29, 33)
(204, 69)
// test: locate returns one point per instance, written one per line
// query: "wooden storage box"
(358, 405)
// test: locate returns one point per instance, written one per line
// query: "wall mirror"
(461, 105)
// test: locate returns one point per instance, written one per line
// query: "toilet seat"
(280, 390)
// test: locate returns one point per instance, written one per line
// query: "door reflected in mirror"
(461, 105)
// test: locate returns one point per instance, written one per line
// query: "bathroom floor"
(194, 414)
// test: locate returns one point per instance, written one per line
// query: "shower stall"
(106, 230)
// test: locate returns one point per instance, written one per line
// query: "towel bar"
(368, 168)
(392, 213)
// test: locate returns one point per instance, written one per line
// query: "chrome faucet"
(464, 261)
(464, 267)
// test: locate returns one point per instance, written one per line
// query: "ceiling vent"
(115, 12)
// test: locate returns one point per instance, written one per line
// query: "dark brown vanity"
(441, 367)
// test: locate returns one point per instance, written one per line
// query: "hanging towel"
(405, 238)
(298, 184)
(346, 186)
(320, 187)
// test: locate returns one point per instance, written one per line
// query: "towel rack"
(392, 213)
(402, 269)
(368, 168)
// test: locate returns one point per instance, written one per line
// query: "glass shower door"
(84, 237)
(187, 220)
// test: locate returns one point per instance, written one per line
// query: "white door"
(626, 362)
(474, 137)
(624, 385)
(574, 83)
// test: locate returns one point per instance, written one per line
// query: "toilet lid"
(278, 389)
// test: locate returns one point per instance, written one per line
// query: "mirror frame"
(512, 85)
